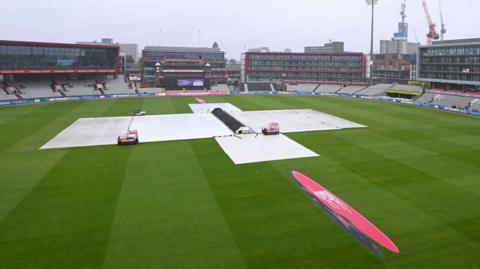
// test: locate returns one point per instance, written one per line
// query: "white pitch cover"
(260, 148)
(202, 124)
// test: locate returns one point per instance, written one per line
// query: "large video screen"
(190, 82)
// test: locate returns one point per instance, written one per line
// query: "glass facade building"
(304, 67)
(177, 74)
(186, 61)
(453, 64)
(18, 57)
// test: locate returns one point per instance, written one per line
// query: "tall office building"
(336, 68)
(331, 47)
(399, 43)
(451, 65)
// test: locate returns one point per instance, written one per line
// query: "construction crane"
(416, 37)
(432, 32)
(443, 30)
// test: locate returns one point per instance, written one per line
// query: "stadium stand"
(243, 87)
(58, 88)
(452, 100)
(259, 86)
(375, 90)
(406, 88)
(302, 87)
(149, 90)
(34, 89)
(475, 105)
(118, 85)
(272, 87)
(276, 86)
(13, 91)
(220, 88)
(328, 88)
(100, 86)
(8, 97)
(351, 89)
(426, 97)
(77, 88)
(8, 92)
(61, 88)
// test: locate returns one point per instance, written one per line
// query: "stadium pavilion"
(25, 60)
(183, 67)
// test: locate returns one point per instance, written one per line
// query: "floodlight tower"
(372, 3)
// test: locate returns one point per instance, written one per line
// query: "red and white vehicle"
(271, 129)
(131, 137)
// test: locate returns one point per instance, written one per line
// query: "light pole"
(372, 3)
(208, 77)
(284, 86)
(158, 70)
(160, 37)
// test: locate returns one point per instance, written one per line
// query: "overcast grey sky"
(234, 24)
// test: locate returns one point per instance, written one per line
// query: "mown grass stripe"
(398, 172)
(282, 229)
(8, 114)
(22, 126)
(65, 220)
(415, 186)
(167, 218)
(23, 165)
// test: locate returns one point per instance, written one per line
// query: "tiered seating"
(275, 86)
(328, 88)
(452, 101)
(81, 87)
(243, 87)
(36, 89)
(56, 88)
(475, 105)
(13, 91)
(220, 88)
(100, 86)
(406, 88)
(426, 97)
(259, 86)
(118, 85)
(148, 90)
(61, 88)
(351, 89)
(375, 90)
(302, 87)
(7, 93)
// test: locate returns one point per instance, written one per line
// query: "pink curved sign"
(343, 213)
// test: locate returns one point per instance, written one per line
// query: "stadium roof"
(182, 49)
(456, 41)
(52, 44)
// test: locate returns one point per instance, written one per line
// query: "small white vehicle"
(272, 128)
(131, 137)
(139, 113)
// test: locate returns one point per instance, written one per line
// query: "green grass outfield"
(413, 172)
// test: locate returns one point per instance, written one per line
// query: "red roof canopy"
(51, 44)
